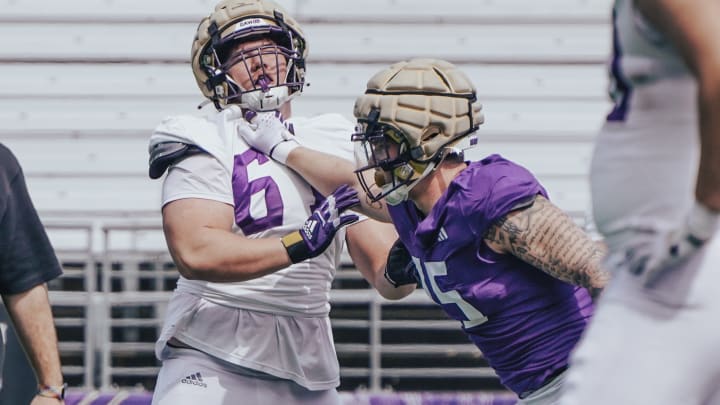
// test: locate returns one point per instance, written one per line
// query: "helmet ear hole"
(430, 132)
(432, 139)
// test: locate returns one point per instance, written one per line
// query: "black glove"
(400, 268)
(319, 229)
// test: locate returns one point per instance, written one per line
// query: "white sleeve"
(198, 176)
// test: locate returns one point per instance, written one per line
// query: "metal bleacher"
(84, 82)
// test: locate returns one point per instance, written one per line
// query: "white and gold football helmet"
(237, 21)
(412, 116)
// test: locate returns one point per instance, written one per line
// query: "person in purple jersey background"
(482, 238)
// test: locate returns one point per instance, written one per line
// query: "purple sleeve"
(497, 187)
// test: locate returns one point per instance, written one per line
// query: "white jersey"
(642, 55)
(646, 156)
(643, 174)
(270, 200)
(276, 324)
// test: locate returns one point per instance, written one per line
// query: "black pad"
(162, 155)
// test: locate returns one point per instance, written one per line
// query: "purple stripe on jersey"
(622, 89)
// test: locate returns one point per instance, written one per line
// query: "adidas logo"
(442, 235)
(309, 227)
(194, 379)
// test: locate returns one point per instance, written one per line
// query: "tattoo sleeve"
(544, 236)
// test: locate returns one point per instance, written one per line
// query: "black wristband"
(296, 247)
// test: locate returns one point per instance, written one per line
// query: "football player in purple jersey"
(482, 238)
(655, 184)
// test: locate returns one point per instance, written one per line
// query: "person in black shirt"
(27, 263)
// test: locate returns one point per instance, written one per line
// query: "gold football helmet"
(412, 115)
(236, 21)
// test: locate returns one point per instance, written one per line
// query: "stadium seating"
(83, 83)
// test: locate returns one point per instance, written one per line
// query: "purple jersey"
(524, 321)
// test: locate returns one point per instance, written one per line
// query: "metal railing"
(127, 283)
(119, 296)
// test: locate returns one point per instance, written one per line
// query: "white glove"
(269, 134)
(673, 248)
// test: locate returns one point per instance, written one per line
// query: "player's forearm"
(220, 256)
(547, 238)
(390, 292)
(707, 189)
(368, 243)
(575, 259)
(323, 171)
(32, 317)
(376, 277)
(587, 271)
(326, 172)
(692, 28)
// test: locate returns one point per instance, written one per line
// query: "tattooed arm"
(544, 236)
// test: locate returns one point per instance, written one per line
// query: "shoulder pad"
(163, 154)
(183, 126)
(202, 132)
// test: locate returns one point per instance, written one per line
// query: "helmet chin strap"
(401, 193)
(269, 100)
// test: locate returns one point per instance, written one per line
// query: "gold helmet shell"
(233, 21)
(427, 106)
(430, 101)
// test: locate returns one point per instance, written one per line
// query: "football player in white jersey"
(655, 182)
(255, 245)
